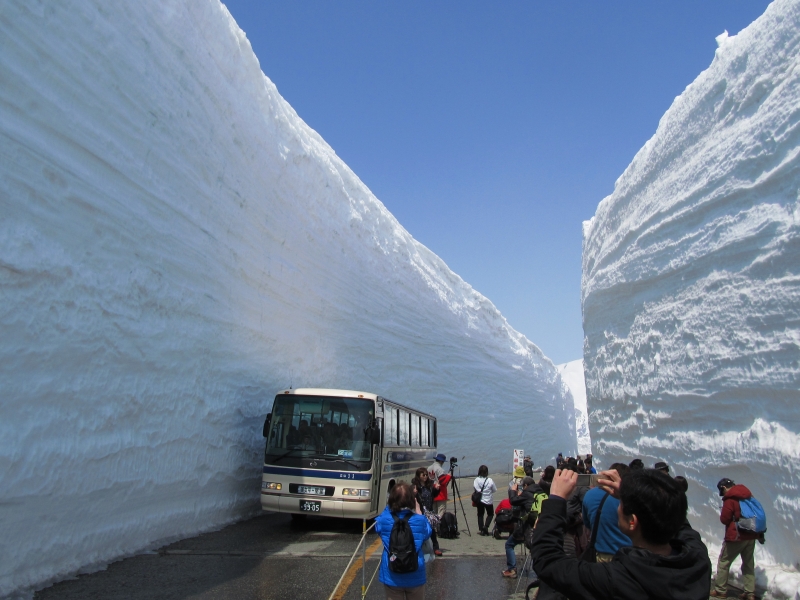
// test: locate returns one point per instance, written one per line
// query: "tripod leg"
(456, 494)
(524, 570)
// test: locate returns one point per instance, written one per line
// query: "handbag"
(478, 496)
(589, 555)
(427, 551)
(433, 519)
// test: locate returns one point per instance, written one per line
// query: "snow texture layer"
(572, 376)
(691, 290)
(176, 245)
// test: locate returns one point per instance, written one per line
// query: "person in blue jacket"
(609, 538)
(403, 586)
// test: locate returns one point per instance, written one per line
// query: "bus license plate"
(307, 489)
(310, 505)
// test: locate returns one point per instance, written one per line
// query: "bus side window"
(403, 428)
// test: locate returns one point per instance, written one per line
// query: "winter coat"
(425, 496)
(444, 481)
(634, 574)
(732, 512)
(421, 530)
(609, 537)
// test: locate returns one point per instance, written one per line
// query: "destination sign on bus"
(307, 489)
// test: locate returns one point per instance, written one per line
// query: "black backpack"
(402, 551)
(448, 526)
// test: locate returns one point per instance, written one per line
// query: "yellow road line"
(350, 576)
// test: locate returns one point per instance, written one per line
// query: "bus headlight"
(355, 492)
(269, 485)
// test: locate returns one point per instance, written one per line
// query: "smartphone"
(588, 479)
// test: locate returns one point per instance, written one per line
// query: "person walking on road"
(736, 543)
(401, 504)
(484, 486)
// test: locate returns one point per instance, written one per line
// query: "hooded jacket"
(633, 574)
(732, 512)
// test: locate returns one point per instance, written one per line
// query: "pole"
(364, 559)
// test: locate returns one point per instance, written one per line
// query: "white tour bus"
(338, 452)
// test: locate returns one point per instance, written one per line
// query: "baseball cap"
(724, 483)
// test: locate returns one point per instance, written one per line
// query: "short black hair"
(636, 463)
(483, 471)
(620, 468)
(657, 501)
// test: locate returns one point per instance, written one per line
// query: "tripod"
(457, 495)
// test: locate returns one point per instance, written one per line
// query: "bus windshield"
(326, 428)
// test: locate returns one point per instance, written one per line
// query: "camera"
(453, 462)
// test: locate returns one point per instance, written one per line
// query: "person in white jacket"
(484, 485)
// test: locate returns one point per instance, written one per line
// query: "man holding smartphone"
(666, 560)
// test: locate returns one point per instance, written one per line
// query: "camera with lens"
(453, 462)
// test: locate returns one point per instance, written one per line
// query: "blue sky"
(491, 130)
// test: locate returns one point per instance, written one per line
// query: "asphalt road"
(271, 557)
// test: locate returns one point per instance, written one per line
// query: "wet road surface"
(271, 557)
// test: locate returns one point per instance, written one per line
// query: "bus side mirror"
(267, 421)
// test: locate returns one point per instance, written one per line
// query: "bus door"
(377, 472)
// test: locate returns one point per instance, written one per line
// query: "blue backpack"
(753, 519)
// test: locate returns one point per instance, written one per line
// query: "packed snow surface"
(177, 245)
(691, 292)
(572, 376)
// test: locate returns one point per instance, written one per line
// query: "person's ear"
(630, 523)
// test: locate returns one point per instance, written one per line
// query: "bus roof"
(348, 394)
(330, 392)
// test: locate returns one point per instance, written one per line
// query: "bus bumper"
(348, 509)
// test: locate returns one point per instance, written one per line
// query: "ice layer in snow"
(176, 245)
(572, 376)
(691, 292)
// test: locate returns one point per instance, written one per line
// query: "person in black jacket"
(667, 561)
(522, 503)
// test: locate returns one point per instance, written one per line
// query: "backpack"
(527, 526)
(402, 551)
(504, 517)
(536, 507)
(753, 519)
(448, 526)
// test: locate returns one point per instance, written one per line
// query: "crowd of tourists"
(620, 533)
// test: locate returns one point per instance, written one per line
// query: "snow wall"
(176, 246)
(691, 291)
(572, 376)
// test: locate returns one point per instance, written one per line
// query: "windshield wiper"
(284, 455)
(349, 462)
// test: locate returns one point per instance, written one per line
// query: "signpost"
(519, 455)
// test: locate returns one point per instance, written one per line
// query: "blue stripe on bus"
(346, 475)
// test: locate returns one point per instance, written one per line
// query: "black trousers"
(489, 510)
